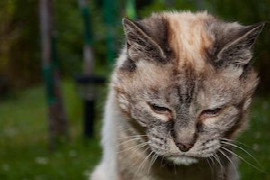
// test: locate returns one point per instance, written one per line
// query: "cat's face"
(184, 88)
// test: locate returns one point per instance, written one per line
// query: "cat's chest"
(136, 169)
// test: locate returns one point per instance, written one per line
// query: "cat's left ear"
(239, 50)
(140, 41)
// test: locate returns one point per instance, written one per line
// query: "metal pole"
(109, 17)
(88, 57)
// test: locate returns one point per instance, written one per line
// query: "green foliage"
(69, 35)
(5, 17)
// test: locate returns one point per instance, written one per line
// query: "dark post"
(89, 116)
(87, 82)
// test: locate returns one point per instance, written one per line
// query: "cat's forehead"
(188, 38)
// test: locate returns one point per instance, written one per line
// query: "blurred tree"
(57, 120)
(69, 30)
(19, 42)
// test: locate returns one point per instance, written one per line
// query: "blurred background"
(55, 62)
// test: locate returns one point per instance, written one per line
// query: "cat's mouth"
(183, 160)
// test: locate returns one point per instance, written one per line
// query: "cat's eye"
(158, 108)
(210, 113)
(165, 112)
(161, 110)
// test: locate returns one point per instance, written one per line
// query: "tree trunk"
(57, 120)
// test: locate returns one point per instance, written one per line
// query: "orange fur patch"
(188, 38)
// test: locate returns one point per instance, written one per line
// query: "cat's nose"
(184, 147)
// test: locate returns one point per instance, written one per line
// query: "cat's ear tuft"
(133, 32)
(139, 43)
(239, 50)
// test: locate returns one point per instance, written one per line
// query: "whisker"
(235, 141)
(212, 161)
(132, 136)
(154, 158)
(212, 175)
(134, 163)
(161, 162)
(174, 168)
(240, 157)
(137, 146)
(216, 157)
(149, 167)
(229, 159)
(141, 165)
(130, 140)
(233, 145)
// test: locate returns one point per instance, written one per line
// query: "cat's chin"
(183, 160)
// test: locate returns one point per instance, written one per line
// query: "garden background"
(24, 139)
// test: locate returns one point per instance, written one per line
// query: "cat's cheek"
(221, 124)
(210, 123)
(162, 117)
(224, 121)
(123, 102)
(142, 123)
(138, 117)
(229, 119)
(139, 114)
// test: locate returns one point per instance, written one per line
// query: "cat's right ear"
(139, 43)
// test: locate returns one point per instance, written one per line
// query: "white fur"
(107, 169)
(183, 160)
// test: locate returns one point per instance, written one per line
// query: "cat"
(179, 95)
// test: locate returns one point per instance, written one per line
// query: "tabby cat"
(179, 95)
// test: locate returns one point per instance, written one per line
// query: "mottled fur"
(181, 84)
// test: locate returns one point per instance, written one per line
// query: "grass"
(257, 140)
(24, 151)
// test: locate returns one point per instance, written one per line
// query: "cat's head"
(186, 81)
